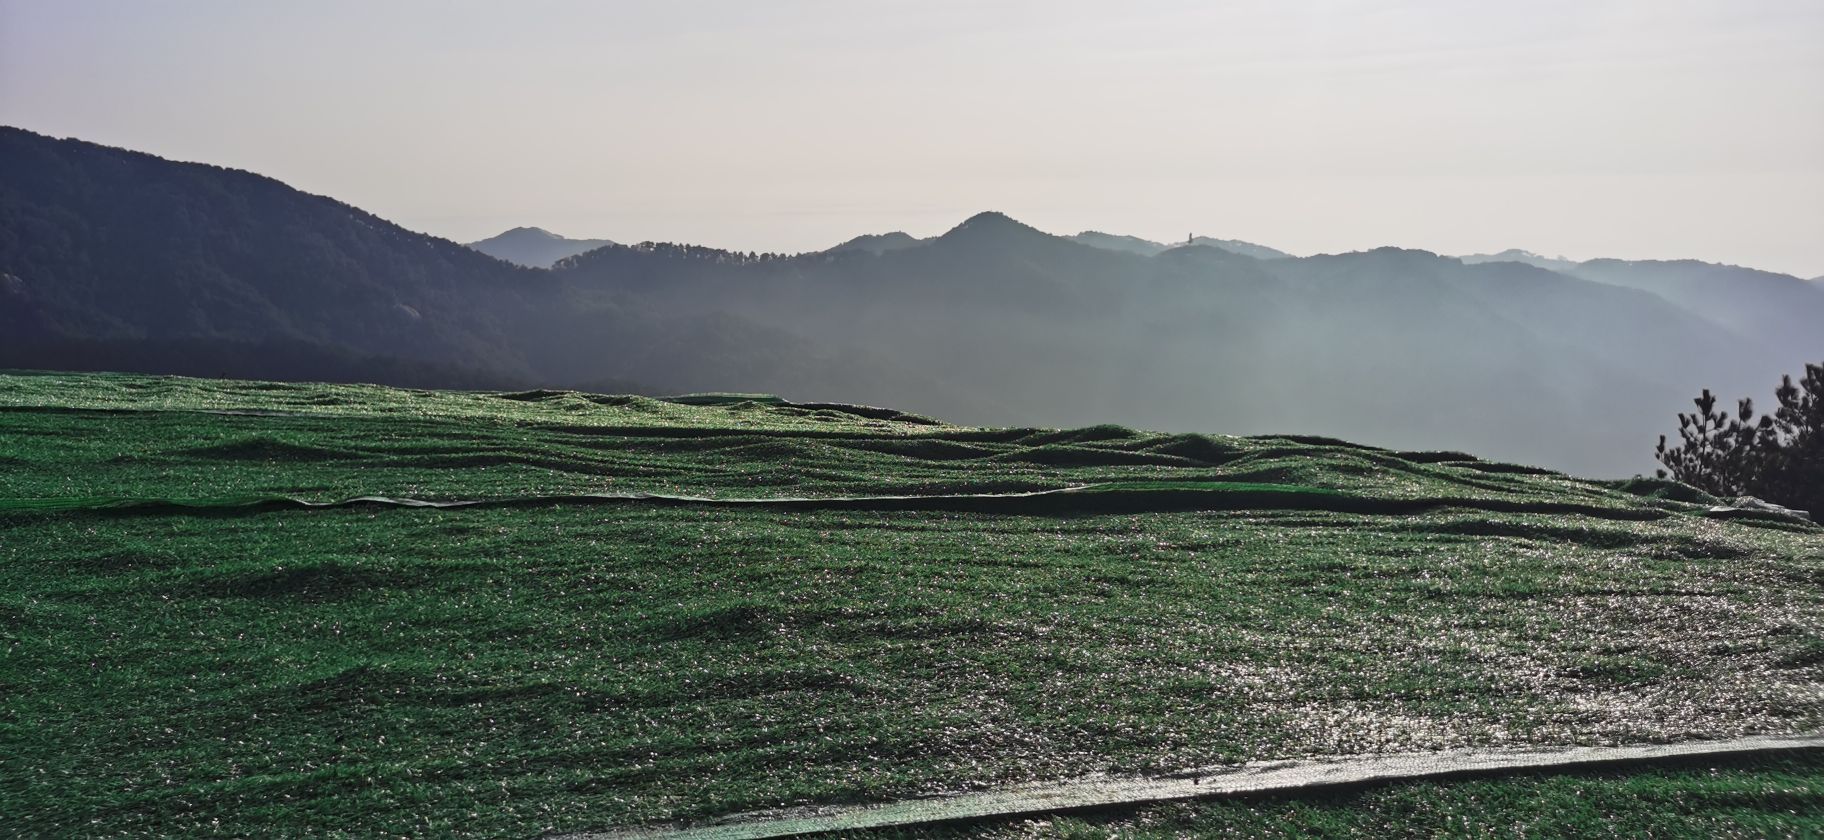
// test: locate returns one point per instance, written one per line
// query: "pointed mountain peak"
(534, 247)
(990, 221)
(993, 227)
(521, 234)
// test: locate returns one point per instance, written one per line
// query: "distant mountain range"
(539, 248)
(1519, 256)
(883, 242)
(120, 260)
(534, 247)
(1148, 248)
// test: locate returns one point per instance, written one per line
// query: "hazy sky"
(1632, 128)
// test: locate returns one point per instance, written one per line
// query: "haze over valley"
(119, 260)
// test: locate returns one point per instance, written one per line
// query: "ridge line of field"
(1262, 778)
(1113, 497)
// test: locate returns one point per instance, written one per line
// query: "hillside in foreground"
(818, 607)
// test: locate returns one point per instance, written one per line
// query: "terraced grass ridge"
(237, 608)
(1760, 798)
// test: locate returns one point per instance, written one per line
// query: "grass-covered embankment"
(510, 670)
(1752, 798)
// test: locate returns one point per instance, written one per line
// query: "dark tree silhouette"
(1778, 458)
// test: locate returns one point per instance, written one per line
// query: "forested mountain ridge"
(110, 258)
(113, 259)
(106, 244)
(875, 243)
(1402, 347)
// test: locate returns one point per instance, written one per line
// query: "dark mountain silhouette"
(534, 247)
(1403, 348)
(875, 243)
(113, 259)
(111, 245)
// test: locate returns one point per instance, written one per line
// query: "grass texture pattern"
(182, 655)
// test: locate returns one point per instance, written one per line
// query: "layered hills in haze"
(115, 259)
(534, 247)
(1519, 256)
(1147, 247)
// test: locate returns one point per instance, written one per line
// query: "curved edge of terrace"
(1278, 777)
(1113, 498)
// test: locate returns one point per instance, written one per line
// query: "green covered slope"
(553, 661)
(1758, 798)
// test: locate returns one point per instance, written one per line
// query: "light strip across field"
(1265, 777)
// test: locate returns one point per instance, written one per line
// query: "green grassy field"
(562, 664)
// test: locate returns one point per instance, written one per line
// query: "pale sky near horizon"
(1626, 128)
